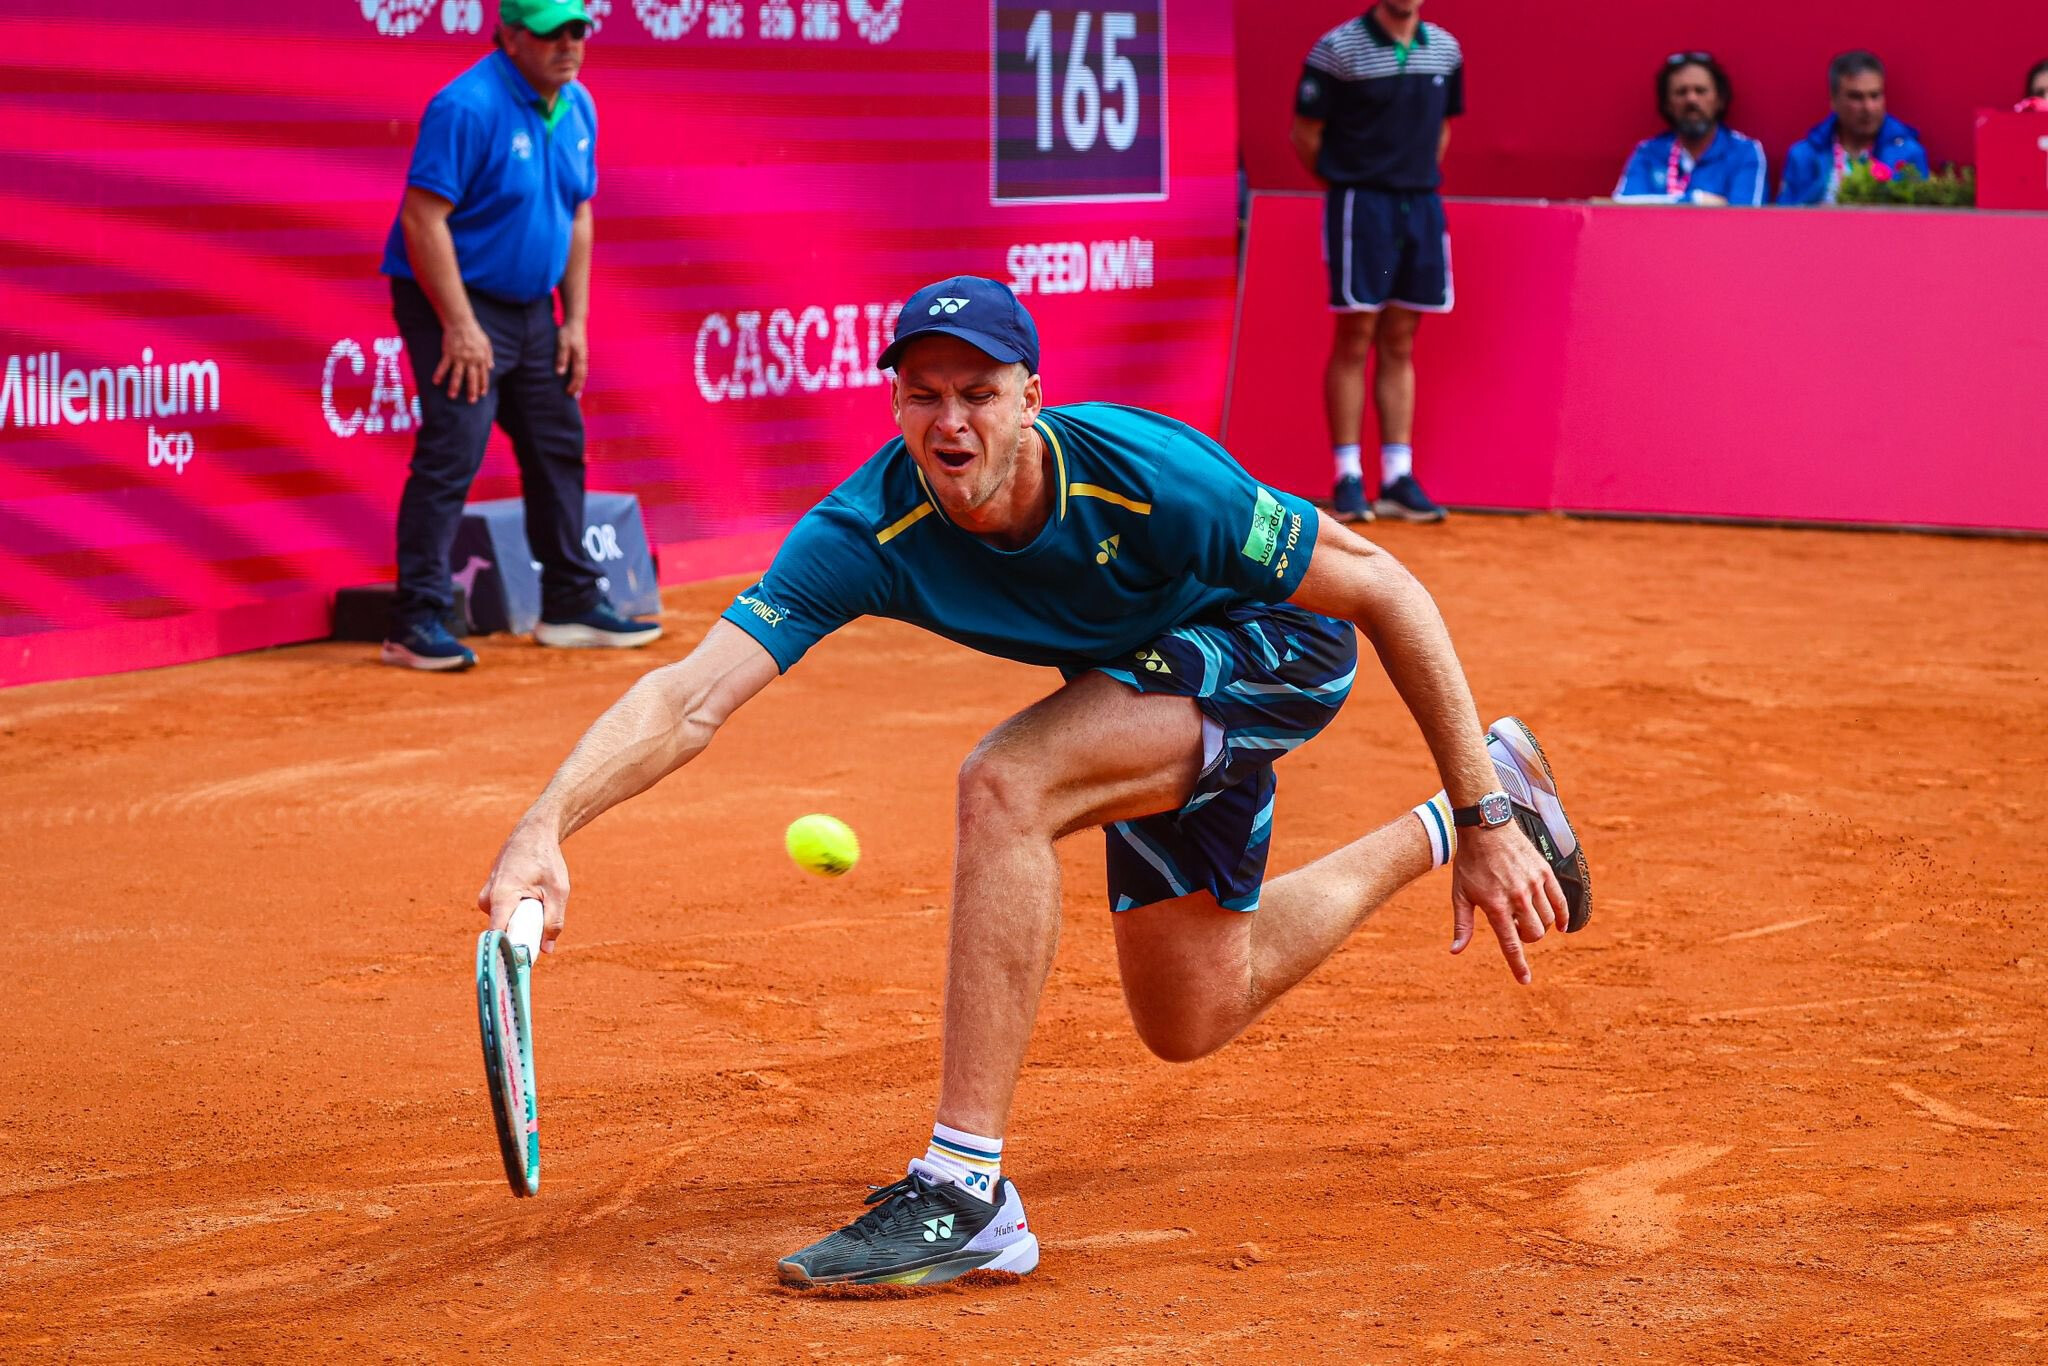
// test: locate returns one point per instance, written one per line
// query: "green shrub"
(1949, 188)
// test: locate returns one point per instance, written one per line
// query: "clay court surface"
(1783, 1101)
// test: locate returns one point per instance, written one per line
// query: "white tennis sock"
(1349, 463)
(974, 1160)
(1435, 815)
(1396, 462)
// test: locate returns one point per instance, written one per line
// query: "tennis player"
(1203, 623)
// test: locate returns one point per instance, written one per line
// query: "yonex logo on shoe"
(941, 1227)
(947, 306)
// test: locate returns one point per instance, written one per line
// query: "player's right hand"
(466, 360)
(530, 864)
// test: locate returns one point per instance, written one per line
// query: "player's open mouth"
(953, 460)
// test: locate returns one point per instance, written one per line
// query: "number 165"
(1084, 109)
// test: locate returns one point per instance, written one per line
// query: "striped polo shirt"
(1382, 105)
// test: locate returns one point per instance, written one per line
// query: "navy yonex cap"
(981, 312)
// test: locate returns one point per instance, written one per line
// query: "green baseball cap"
(541, 16)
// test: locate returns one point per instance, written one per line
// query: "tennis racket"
(504, 969)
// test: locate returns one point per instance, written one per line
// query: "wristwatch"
(1490, 810)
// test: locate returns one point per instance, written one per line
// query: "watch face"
(1495, 809)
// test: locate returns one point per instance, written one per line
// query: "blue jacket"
(1731, 167)
(515, 174)
(1810, 165)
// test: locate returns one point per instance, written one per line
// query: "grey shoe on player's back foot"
(600, 628)
(1525, 776)
(924, 1230)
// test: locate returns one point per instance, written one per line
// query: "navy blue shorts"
(1267, 678)
(1387, 248)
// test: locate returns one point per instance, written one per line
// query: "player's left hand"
(1498, 872)
(572, 355)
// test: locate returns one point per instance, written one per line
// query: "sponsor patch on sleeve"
(1263, 540)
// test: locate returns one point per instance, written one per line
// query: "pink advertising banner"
(205, 410)
(1844, 366)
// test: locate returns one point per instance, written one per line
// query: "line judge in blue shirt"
(1203, 624)
(1701, 160)
(496, 218)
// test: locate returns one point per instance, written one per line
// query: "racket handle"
(525, 927)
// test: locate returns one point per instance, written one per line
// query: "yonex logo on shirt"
(774, 616)
(947, 306)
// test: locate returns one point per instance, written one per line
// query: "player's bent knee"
(1180, 1040)
(998, 789)
(1185, 1024)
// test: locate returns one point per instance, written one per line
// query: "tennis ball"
(824, 845)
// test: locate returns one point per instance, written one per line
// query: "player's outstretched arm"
(664, 721)
(1498, 872)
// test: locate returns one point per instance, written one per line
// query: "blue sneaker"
(1347, 502)
(427, 645)
(1404, 501)
(598, 629)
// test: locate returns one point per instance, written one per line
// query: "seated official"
(2036, 101)
(1858, 132)
(1701, 160)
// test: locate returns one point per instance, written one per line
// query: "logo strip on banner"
(37, 391)
(669, 21)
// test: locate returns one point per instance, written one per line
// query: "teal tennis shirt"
(1153, 526)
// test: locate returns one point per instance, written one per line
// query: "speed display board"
(1079, 101)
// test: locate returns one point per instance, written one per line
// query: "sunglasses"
(1688, 58)
(576, 30)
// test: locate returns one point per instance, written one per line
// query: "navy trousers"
(533, 405)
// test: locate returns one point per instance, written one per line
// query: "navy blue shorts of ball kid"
(1386, 247)
(1266, 679)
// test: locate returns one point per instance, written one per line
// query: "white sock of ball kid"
(1350, 463)
(1435, 815)
(973, 1160)
(1397, 461)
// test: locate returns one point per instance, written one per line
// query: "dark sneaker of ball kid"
(427, 645)
(600, 628)
(924, 1230)
(1404, 501)
(1525, 776)
(1347, 500)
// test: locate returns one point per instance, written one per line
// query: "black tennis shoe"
(923, 1230)
(1525, 776)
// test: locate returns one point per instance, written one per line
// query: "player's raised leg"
(1196, 975)
(1092, 753)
